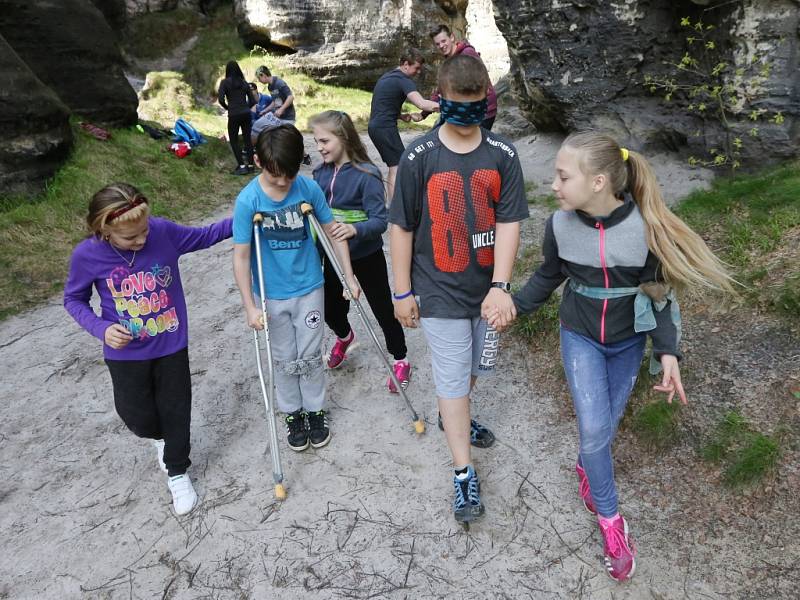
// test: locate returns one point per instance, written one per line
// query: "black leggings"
(371, 273)
(235, 123)
(154, 399)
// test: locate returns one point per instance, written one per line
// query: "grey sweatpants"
(296, 328)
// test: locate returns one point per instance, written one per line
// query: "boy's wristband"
(401, 296)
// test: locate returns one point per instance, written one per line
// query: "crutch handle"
(306, 208)
(258, 217)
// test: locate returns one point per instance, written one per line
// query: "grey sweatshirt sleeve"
(545, 279)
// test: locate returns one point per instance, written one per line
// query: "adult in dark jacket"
(234, 96)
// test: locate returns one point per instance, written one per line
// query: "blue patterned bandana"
(463, 114)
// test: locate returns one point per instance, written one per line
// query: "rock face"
(349, 43)
(582, 64)
(71, 49)
(134, 8)
(36, 136)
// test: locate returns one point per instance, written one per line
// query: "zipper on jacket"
(333, 180)
(599, 225)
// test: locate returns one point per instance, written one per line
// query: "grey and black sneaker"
(467, 505)
(318, 428)
(297, 431)
(479, 435)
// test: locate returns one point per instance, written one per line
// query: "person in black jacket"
(234, 96)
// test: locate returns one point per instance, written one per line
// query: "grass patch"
(156, 34)
(656, 424)
(654, 421)
(167, 96)
(547, 201)
(541, 327)
(37, 234)
(748, 455)
(754, 223)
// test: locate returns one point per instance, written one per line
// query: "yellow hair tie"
(624, 152)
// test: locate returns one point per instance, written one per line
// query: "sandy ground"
(86, 513)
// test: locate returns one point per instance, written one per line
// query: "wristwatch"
(503, 285)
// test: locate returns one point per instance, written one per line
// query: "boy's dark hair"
(439, 29)
(280, 150)
(263, 70)
(411, 56)
(463, 74)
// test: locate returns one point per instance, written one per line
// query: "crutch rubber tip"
(280, 491)
(419, 426)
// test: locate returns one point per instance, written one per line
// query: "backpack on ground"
(184, 132)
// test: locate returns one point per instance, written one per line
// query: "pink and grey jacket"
(605, 252)
(464, 47)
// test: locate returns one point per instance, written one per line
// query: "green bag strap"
(349, 216)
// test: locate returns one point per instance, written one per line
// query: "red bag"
(180, 149)
(95, 131)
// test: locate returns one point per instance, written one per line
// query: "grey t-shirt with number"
(451, 203)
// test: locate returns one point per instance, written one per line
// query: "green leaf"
(686, 22)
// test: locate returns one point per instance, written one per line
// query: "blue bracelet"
(401, 296)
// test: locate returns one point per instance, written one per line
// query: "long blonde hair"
(685, 259)
(339, 124)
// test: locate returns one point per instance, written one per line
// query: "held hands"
(416, 117)
(340, 232)
(498, 309)
(406, 311)
(117, 336)
(671, 379)
(405, 117)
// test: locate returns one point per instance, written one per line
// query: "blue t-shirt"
(292, 266)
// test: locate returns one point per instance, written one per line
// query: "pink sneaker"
(339, 351)
(583, 489)
(402, 370)
(618, 548)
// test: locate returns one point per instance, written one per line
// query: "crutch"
(308, 210)
(268, 391)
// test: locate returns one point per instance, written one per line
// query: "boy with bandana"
(456, 215)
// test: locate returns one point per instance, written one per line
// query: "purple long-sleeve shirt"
(145, 297)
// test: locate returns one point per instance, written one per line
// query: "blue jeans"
(601, 378)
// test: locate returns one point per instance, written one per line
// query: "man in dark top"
(388, 96)
(282, 97)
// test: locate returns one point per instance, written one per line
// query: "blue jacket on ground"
(350, 188)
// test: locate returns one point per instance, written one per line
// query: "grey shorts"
(460, 348)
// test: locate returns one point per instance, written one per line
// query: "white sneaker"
(184, 498)
(159, 444)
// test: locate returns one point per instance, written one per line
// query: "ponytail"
(685, 259)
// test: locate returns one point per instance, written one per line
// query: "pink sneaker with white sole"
(584, 491)
(339, 350)
(402, 370)
(618, 548)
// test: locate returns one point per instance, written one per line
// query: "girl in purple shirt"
(131, 259)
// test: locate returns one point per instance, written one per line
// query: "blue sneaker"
(467, 504)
